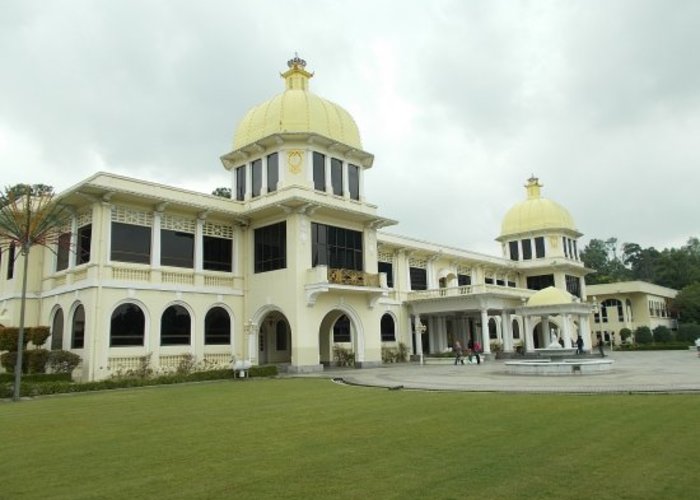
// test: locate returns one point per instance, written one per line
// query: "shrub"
(343, 356)
(688, 332)
(36, 377)
(389, 354)
(402, 354)
(8, 360)
(63, 361)
(36, 360)
(642, 335)
(261, 371)
(662, 334)
(39, 334)
(625, 333)
(186, 365)
(9, 337)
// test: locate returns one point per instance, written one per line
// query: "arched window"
(78, 328)
(341, 330)
(175, 326)
(57, 331)
(127, 326)
(516, 330)
(217, 327)
(388, 328)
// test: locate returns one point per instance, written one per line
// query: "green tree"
(603, 258)
(688, 332)
(223, 192)
(687, 303)
(642, 335)
(662, 334)
(29, 216)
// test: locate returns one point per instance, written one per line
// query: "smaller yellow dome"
(536, 214)
(296, 110)
(550, 296)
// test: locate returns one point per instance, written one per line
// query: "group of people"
(473, 350)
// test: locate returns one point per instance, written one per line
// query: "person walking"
(579, 345)
(600, 346)
(457, 349)
(477, 351)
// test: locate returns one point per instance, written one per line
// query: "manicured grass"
(310, 438)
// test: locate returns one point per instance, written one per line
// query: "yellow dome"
(296, 110)
(536, 214)
(550, 296)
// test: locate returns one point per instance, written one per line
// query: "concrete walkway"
(647, 372)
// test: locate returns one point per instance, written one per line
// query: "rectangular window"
(336, 247)
(131, 243)
(273, 172)
(83, 244)
(256, 176)
(337, 176)
(271, 247)
(388, 268)
(488, 281)
(575, 250)
(419, 278)
(500, 283)
(63, 251)
(217, 253)
(11, 261)
(176, 248)
(513, 250)
(527, 249)
(240, 183)
(319, 172)
(540, 282)
(539, 247)
(573, 285)
(571, 250)
(511, 284)
(464, 279)
(566, 249)
(354, 181)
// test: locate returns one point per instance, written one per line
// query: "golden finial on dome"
(533, 187)
(296, 77)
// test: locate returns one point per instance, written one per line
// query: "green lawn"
(310, 438)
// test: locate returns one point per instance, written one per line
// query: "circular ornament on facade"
(294, 160)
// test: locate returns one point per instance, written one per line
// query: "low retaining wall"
(563, 367)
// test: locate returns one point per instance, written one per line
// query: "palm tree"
(29, 216)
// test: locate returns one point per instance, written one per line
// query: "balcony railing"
(352, 278)
(457, 291)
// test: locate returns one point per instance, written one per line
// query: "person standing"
(477, 352)
(579, 345)
(457, 349)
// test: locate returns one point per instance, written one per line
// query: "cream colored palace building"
(295, 263)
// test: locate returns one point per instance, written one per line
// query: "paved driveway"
(655, 371)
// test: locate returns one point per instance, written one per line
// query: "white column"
(73, 245)
(346, 183)
(263, 188)
(566, 330)
(507, 331)
(418, 327)
(585, 332)
(248, 181)
(155, 239)
(527, 334)
(361, 176)
(485, 341)
(547, 338)
(327, 173)
(199, 244)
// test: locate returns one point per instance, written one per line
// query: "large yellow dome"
(536, 214)
(550, 296)
(296, 110)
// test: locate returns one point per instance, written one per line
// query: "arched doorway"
(340, 342)
(274, 339)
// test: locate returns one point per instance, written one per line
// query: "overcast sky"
(459, 101)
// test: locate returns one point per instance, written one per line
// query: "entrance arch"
(274, 342)
(341, 327)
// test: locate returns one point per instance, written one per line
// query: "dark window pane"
(387, 328)
(540, 282)
(271, 247)
(176, 248)
(419, 278)
(575, 250)
(78, 328)
(127, 326)
(566, 249)
(273, 172)
(57, 331)
(388, 268)
(488, 281)
(175, 326)
(217, 254)
(83, 244)
(281, 336)
(337, 176)
(513, 246)
(336, 247)
(131, 243)
(464, 279)
(240, 183)
(256, 177)
(63, 251)
(341, 330)
(217, 327)
(354, 181)
(539, 247)
(319, 172)
(573, 286)
(527, 249)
